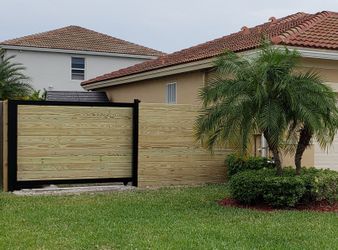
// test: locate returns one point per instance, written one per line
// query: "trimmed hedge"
(236, 164)
(321, 184)
(283, 191)
(247, 186)
(254, 186)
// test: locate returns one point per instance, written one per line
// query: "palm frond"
(14, 84)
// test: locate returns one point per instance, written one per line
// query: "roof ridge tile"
(307, 24)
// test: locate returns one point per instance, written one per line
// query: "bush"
(254, 186)
(247, 186)
(283, 191)
(236, 164)
(321, 184)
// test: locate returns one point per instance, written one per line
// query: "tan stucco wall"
(188, 84)
(307, 160)
(287, 159)
(327, 69)
(154, 90)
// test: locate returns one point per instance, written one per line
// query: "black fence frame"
(14, 184)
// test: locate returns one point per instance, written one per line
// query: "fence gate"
(71, 142)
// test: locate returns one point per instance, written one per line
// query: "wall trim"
(305, 52)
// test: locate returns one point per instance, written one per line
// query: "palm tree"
(13, 83)
(315, 116)
(262, 94)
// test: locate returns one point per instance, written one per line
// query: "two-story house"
(61, 59)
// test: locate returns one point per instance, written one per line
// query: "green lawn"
(186, 218)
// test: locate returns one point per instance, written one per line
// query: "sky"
(163, 25)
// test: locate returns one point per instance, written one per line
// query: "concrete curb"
(54, 190)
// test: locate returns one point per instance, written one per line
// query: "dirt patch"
(322, 206)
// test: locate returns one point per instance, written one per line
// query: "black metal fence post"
(135, 142)
(12, 144)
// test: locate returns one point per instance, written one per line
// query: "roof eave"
(72, 51)
(202, 64)
(176, 69)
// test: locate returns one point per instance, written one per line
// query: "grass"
(176, 218)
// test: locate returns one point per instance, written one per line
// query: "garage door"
(327, 158)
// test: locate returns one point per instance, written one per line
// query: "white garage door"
(328, 158)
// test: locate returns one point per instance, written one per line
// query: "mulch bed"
(322, 206)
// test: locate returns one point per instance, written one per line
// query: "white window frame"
(167, 93)
(84, 69)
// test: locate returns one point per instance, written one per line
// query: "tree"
(13, 83)
(315, 116)
(263, 94)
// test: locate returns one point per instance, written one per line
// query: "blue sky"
(163, 25)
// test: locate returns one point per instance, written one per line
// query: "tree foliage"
(13, 82)
(266, 94)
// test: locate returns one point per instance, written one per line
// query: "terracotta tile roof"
(78, 38)
(318, 30)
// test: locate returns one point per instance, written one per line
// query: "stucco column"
(264, 146)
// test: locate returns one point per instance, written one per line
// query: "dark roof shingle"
(318, 30)
(78, 38)
(76, 96)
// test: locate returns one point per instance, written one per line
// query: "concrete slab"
(55, 190)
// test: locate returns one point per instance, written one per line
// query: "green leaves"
(13, 83)
(265, 94)
(255, 185)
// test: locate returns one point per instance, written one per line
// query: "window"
(171, 93)
(78, 68)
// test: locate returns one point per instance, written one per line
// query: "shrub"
(327, 186)
(321, 184)
(253, 186)
(247, 186)
(236, 164)
(283, 191)
(309, 178)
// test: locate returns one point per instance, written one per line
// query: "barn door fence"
(69, 142)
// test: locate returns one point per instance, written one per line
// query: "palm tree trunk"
(278, 162)
(304, 141)
(276, 155)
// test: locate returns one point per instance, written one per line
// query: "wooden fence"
(148, 144)
(57, 143)
(168, 151)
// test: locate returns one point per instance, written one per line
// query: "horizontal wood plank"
(74, 142)
(168, 151)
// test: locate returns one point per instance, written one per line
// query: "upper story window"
(78, 68)
(171, 93)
